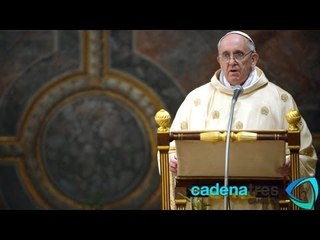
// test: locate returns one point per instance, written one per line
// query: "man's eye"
(238, 55)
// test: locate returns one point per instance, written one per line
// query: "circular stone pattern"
(89, 154)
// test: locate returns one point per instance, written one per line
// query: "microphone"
(237, 90)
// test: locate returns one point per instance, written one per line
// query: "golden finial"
(163, 118)
(293, 118)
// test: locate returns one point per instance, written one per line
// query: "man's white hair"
(240, 33)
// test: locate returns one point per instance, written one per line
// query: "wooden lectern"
(202, 173)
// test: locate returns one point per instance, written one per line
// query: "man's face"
(235, 58)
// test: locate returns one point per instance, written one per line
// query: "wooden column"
(162, 118)
(293, 118)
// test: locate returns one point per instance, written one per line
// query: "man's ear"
(254, 59)
(218, 60)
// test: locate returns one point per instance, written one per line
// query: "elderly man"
(262, 106)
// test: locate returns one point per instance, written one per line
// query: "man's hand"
(173, 163)
(285, 169)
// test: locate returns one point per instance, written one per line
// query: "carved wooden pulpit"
(204, 173)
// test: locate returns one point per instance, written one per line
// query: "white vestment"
(262, 106)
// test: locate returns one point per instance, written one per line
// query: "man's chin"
(234, 79)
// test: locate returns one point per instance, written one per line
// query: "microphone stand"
(236, 92)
